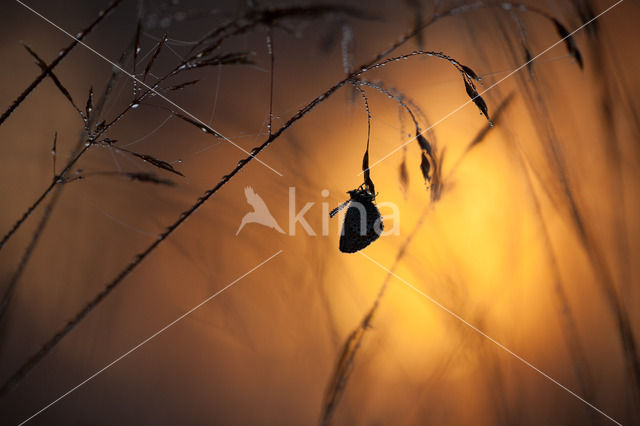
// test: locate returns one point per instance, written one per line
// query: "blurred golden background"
(533, 240)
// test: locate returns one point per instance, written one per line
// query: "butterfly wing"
(353, 237)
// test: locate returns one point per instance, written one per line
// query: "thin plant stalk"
(557, 164)
(61, 56)
(11, 287)
(570, 332)
(352, 344)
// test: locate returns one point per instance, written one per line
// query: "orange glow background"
(263, 351)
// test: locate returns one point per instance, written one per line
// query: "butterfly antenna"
(337, 209)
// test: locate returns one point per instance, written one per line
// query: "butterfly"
(362, 224)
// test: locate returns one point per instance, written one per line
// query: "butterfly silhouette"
(362, 224)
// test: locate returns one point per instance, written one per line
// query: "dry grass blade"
(153, 161)
(437, 181)
(133, 176)
(497, 117)
(54, 151)
(418, 17)
(136, 51)
(423, 142)
(482, 134)
(569, 42)
(155, 56)
(236, 58)
(430, 165)
(89, 106)
(528, 60)
(425, 167)
(404, 173)
(587, 14)
(205, 129)
(148, 177)
(470, 73)
(136, 45)
(343, 370)
(44, 67)
(476, 98)
(181, 85)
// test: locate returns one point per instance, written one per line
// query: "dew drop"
(135, 105)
